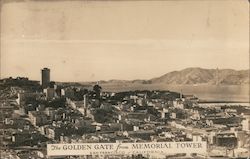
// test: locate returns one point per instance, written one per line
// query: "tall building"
(45, 82)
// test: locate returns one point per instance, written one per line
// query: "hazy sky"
(101, 40)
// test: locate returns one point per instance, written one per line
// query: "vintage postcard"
(124, 79)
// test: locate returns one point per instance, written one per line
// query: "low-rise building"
(246, 123)
(22, 96)
(50, 93)
(226, 139)
(37, 118)
(67, 92)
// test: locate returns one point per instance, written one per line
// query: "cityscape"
(124, 79)
(35, 114)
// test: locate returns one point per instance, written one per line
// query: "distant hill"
(204, 76)
(206, 84)
(191, 76)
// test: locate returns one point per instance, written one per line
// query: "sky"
(103, 40)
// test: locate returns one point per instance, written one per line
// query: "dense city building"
(68, 113)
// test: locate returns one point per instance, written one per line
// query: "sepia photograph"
(124, 79)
